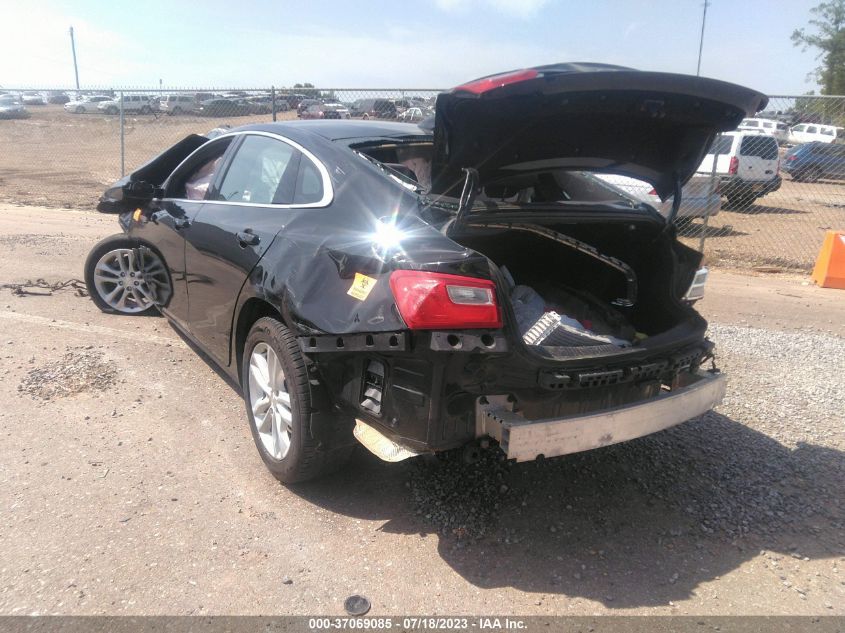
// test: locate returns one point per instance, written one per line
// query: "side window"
(262, 172)
(309, 183)
(827, 131)
(196, 176)
(750, 123)
(811, 129)
(800, 128)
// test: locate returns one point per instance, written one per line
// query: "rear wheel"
(278, 400)
(146, 109)
(741, 201)
(80, 109)
(112, 110)
(811, 174)
(125, 277)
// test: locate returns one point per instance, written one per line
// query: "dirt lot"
(60, 159)
(130, 485)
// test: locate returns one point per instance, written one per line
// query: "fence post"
(273, 99)
(122, 148)
(713, 182)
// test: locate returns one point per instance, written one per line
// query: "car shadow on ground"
(759, 209)
(693, 229)
(637, 524)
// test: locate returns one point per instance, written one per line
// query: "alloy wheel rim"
(269, 400)
(130, 280)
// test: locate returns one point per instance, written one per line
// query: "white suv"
(809, 132)
(747, 164)
(142, 104)
(774, 128)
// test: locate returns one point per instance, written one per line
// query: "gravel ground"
(789, 387)
(134, 487)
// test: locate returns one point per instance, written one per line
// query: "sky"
(387, 44)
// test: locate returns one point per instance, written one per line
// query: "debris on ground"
(80, 369)
(42, 287)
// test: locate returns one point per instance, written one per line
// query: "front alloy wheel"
(126, 278)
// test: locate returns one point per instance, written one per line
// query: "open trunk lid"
(651, 126)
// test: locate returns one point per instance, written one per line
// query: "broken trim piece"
(380, 445)
(376, 342)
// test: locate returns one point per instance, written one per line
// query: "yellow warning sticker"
(137, 215)
(361, 287)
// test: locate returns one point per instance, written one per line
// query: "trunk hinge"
(468, 194)
(676, 199)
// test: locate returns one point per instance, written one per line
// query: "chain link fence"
(763, 198)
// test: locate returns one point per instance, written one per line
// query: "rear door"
(255, 198)
(758, 158)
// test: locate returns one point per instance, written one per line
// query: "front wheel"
(112, 110)
(80, 109)
(124, 277)
(278, 401)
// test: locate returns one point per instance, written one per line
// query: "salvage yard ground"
(60, 159)
(129, 483)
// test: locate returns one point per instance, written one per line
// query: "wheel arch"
(253, 309)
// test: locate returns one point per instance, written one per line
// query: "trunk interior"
(545, 276)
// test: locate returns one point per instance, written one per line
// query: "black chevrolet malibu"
(466, 282)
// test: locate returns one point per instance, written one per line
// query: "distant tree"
(829, 40)
(308, 90)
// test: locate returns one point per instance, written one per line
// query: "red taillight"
(480, 86)
(429, 301)
(653, 192)
(793, 157)
(734, 166)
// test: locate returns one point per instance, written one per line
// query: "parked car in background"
(412, 115)
(326, 111)
(811, 161)
(700, 196)
(33, 98)
(374, 109)
(810, 132)
(86, 104)
(57, 97)
(177, 103)
(778, 129)
(747, 165)
(304, 104)
(132, 103)
(11, 107)
(223, 107)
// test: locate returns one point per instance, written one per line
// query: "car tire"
(177, 110)
(146, 109)
(741, 201)
(123, 276)
(279, 387)
(80, 110)
(112, 110)
(366, 117)
(811, 174)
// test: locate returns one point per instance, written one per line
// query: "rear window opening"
(765, 147)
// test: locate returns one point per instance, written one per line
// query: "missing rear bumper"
(525, 440)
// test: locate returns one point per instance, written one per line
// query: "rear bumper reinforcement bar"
(525, 440)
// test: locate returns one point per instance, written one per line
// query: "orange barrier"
(829, 271)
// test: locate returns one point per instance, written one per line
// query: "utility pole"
(701, 39)
(73, 49)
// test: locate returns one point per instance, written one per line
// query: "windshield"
(8, 100)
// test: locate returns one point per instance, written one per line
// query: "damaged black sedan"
(423, 288)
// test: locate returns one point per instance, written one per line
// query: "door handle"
(247, 238)
(181, 223)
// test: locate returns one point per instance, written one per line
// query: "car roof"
(337, 129)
